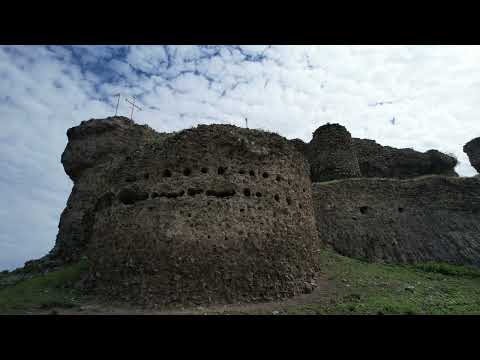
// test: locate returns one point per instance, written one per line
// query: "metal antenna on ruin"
(118, 102)
(133, 106)
(246, 123)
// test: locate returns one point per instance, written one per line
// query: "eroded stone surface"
(93, 150)
(334, 154)
(380, 161)
(472, 149)
(300, 145)
(331, 154)
(432, 218)
(214, 213)
(219, 213)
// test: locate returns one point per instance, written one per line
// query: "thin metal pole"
(246, 123)
(133, 107)
(118, 102)
(131, 115)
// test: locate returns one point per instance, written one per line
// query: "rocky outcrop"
(334, 154)
(92, 152)
(98, 141)
(380, 161)
(472, 149)
(433, 218)
(214, 213)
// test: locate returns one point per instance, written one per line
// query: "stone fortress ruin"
(206, 214)
(219, 213)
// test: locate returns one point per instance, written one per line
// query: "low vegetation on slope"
(20, 293)
(346, 286)
(369, 288)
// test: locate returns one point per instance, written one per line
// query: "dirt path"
(323, 292)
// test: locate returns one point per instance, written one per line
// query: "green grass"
(448, 269)
(366, 288)
(361, 288)
(53, 289)
(353, 287)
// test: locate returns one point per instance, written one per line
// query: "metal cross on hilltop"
(133, 106)
(118, 102)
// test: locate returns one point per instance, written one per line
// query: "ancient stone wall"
(214, 213)
(380, 161)
(300, 145)
(334, 154)
(472, 149)
(220, 213)
(432, 218)
(331, 154)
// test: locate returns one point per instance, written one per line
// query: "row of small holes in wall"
(187, 172)
(221, 194)
(220, 171)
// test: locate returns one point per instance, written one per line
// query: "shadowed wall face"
(432, 218)
(380, 161)
(472, 149)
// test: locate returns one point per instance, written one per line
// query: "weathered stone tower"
(331, 154)
(214, 213)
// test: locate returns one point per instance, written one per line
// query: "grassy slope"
(41, 292)
(365, 288)
(354, 287)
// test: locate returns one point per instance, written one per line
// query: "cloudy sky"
(432, 92)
